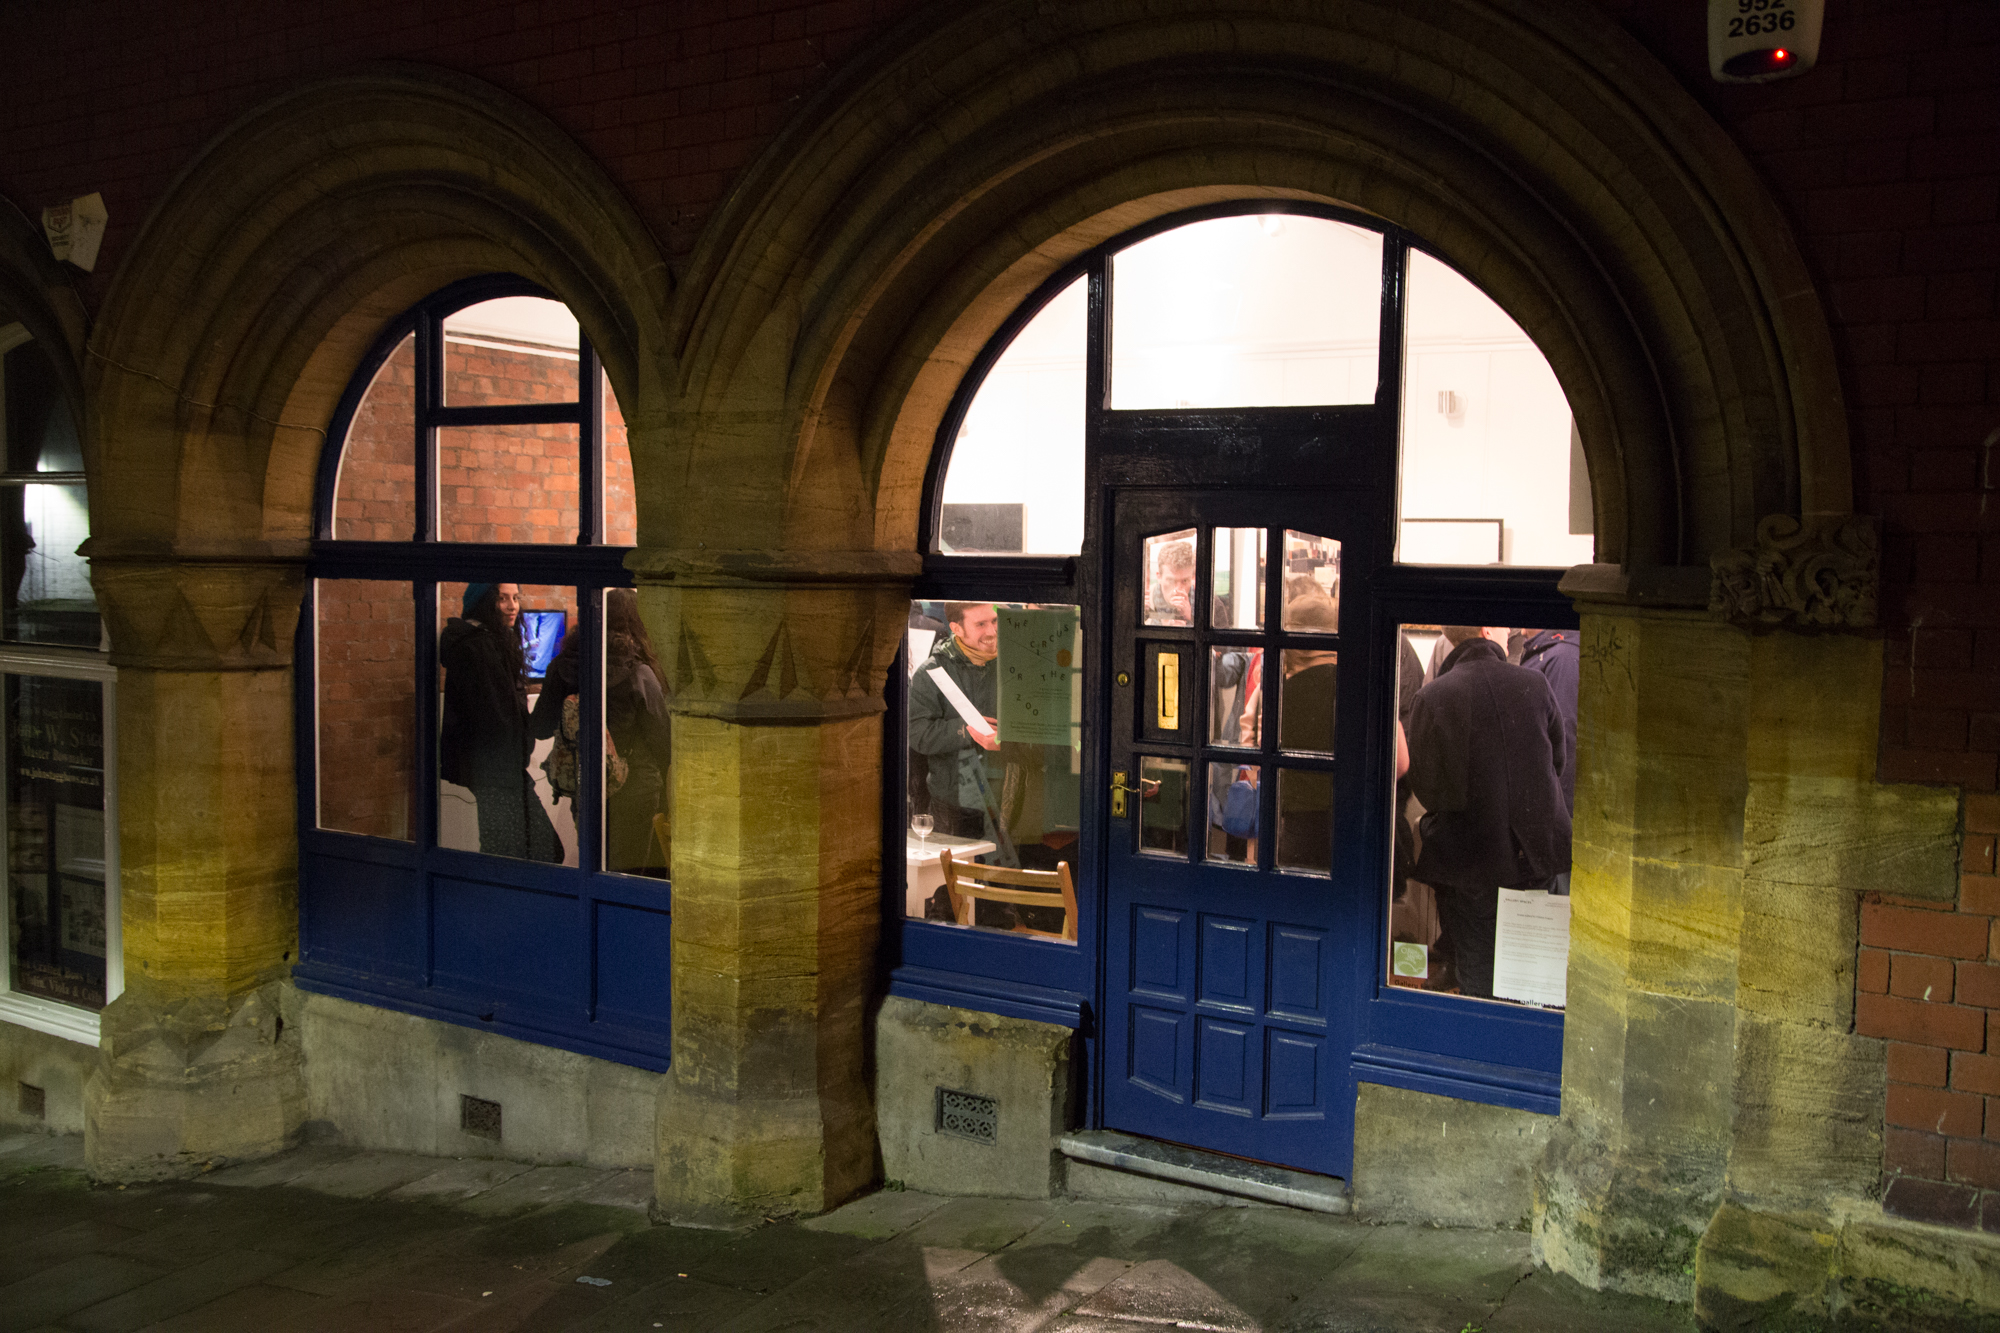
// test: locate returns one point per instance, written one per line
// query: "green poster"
(1037, 663)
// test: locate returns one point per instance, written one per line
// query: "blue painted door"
(1232, 929)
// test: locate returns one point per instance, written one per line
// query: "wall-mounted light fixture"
(1756, 41)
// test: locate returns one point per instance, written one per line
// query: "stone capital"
(1822, 571)
(778, 637)
(200, 615)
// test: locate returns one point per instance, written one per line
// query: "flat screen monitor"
(541, 639)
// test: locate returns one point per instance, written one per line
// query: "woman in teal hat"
(485, 746)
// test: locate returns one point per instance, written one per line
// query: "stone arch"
(837, 297)
(273, 261)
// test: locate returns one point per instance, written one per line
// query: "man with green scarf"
(965, 772)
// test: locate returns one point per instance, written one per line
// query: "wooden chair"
(969, 881)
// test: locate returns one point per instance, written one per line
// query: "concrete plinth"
(1444, 1162)
(1025, 1067)
(56, 1065)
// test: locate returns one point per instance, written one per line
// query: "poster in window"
(55, 838)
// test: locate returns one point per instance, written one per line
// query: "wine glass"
(921, 825)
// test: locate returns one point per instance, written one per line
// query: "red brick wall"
(1930, 986)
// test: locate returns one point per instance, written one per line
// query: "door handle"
(1118, 793)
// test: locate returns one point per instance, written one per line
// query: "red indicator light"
(1747, 64)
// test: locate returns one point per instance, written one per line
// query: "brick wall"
(1930, 986)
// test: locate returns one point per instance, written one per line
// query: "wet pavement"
(338, 1240)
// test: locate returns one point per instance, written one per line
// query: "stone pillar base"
(729, 1162)
(183, 1085)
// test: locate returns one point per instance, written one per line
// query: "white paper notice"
(956, 698)
(1531, 948)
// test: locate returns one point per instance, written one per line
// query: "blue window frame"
(1487, 1052)
(390, 912)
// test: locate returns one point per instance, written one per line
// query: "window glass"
(1312, 583)
(508, 484)
(1491, 472)
(495, 645)
(58, 927)
(375, 499)
(517, 349)
(995, 758)
(621, 508)
(1479, 886)
(365, 675)
(1238, 582)
(1274, 311)
(1305, 821)
(1170, 578)
(1234, 820)
(1015, 481)
(45, 592)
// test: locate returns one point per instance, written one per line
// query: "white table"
(923, 875)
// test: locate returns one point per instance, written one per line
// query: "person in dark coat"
(485, 744)
(1306, 703)
(1486, 760)
(963, 766)
(635, 716)
(1556, 654)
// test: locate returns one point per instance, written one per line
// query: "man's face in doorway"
(980, 629)
(1177, 588)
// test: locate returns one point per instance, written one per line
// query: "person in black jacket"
(1487, 756)
(485, 746)
(635, 719)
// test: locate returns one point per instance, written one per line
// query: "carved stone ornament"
(1822, 571)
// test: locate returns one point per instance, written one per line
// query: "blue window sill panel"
(1009, 999)
(643, 1047)
(1535, 1090)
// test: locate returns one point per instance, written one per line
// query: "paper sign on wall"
(1037, 664)
(1531, 948)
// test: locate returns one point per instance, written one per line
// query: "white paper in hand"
(956, 697)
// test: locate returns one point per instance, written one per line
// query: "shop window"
(995, 760)
(1484, 792)
(487, 831)
(62, 961)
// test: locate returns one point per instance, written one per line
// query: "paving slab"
(982, 1298)
(384, 1310)
(626, 1189)
(177, 1292)
(460, 1180)
(768, 1258)
(887, 1286)
(364, 1175)
(682, 1304)
(878, 1216)
(283, 1169)
(985, 1225)
(538, 1188)
(68, 1287)
(1160, 1291)
(253, 1309)
(31, 1254)
(1415, 1280)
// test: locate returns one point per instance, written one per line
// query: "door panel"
(1224, 1034)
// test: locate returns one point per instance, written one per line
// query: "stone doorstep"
(1208, 1171)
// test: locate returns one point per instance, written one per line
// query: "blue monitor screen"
(541, 638)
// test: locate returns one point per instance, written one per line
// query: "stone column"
(1636, 1163)
(778, 665)
(193, 1069)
